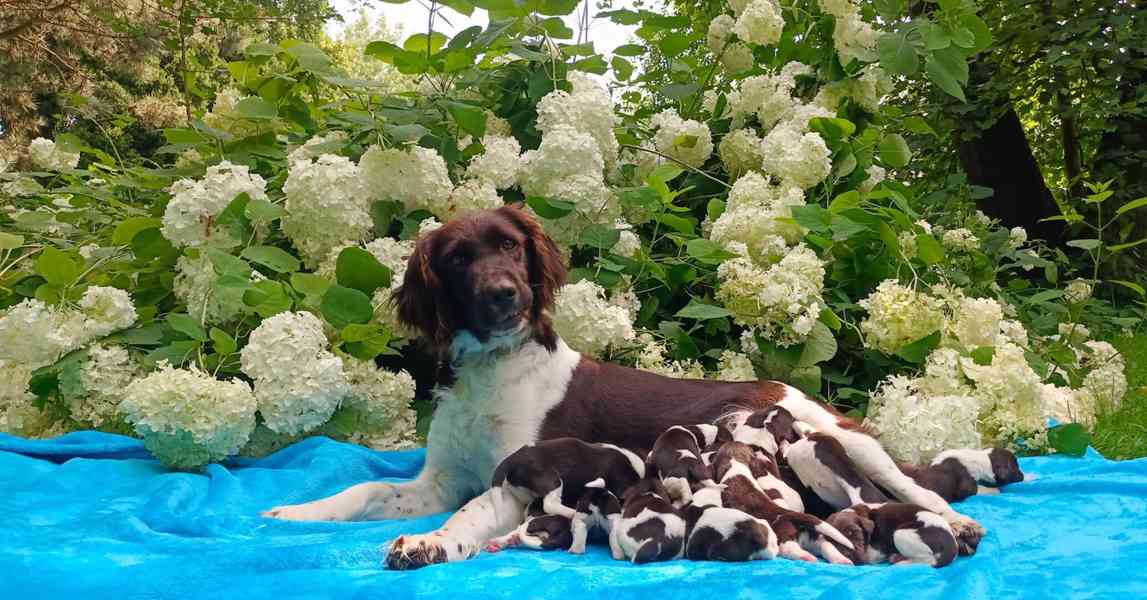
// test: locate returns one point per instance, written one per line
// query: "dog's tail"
(596, 483)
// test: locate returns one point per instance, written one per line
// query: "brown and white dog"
(479, 290)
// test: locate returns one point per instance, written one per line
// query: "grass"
(1122, 434)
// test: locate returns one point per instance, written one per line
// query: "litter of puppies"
(768, 486)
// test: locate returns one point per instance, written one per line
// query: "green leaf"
(224, 343)
(674, 44)
(255, 108)
(832, 128)
(1071, 439)
(343, 306)
(1118, 247)
(897, 54)
(679, 91)
(175, 353)
(263, 210)
(471, 119)
(226, 264)
(622, 69)
(806, 379)
(1045, 296)
(1084, 244)
(549, 208)
(894, 151)
(629, 50)
(599, 236)
(1132, 205)
(56, 267)
(983, 355)
(920, 126)
(358, 269)
(917, 351)
(707, 251)
(812, 217)
(309, 284)
(845, 201)
(310, 57)
(819, 346)
(10, 241)
(679, 224)
(948, 68)
(1135, 287)
(664, 173)
(423, 44)
(273, 258)
(187, 325)
(128, 228)
(703, 312)
(928, 249)
(594, 64)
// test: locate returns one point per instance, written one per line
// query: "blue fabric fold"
(91, 515)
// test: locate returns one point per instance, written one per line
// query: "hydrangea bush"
(725, 192)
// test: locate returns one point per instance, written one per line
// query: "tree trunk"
(1000, 158)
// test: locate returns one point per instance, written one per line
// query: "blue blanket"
(90, 515)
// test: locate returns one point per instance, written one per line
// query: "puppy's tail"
(814, 526)
(596, 483)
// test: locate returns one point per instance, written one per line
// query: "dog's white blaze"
(977, 462)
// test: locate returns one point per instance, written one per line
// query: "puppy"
(598, 510)
(727, 534)
(797, 533)
(651, 528)
(768, 429)
(768, 475)
(676, 460)
(540, 531)
(822, 464)
(558, 470)
(896, 532)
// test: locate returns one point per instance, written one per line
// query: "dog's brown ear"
(421, 300)
(547, 272)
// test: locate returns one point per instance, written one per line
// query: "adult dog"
(479, 290)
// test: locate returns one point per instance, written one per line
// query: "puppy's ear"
(547, 272)
(421, 300)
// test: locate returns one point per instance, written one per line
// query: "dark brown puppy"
(676, 460)
(540, 531)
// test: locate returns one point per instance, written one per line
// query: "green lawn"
(1123, 433)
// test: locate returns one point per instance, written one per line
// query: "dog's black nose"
(503, 296)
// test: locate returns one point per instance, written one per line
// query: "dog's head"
(488, 273)
(857, 527)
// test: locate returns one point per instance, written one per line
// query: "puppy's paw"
(968, 534)
(793, 550)
(311, 511)
(417, 551)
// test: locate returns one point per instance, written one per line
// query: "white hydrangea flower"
(307, 150)
(740, 150)
(686, 140)
(876, 174)
(898, 316)
(568, 166)
(735, 366)
(189, 219)
(417, 177)
(800, 159)
(1008, 390)
(783, 301)
(915, 427)
(737, 57)
(757, 214)
(1067, 405)
(720, 28)
(925, 225)
(869, 89)
(225, 117)
(1105, 382)
(104, 376)
(769, 97)
(943, 375)
(298, 382)
(1073, 333)
(854, 39)
(469, 196)
(587, 109)
(977, 322)
(738, 6)
(188, 418)
(628, 243)
(1013, 331)
(45, 154)
(907, 241)
(15, 399)
(327, 205)
(195, 285)
(587, 321)
(1017, 237)
(760, 23)
(36, 335)
(107, 309)
(961, 240)
(652, 358)
(381, 401)
(499, 164)
(1077, 292)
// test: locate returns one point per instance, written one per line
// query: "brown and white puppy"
(598, 511)
(822, 464)
(558, 472)
(713, 532)
(797, 533)
(769, 429)
(479, 291)
(896, 532)
(651, 529)
(676, 460)
(540, 531)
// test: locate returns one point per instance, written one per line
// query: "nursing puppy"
(598, 510)
(676, 460)
(769, 429)
(797, 533)
(540, 531)
(727, 534)
(558, 471)
(650, 529)
(822, 464)
(896, 532)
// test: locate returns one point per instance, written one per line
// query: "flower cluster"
(379, 401)
(740, 151)
(45, 154)
(898, 316)
(759, 216)
(190, 216)
(499, 164)
(686, 140)
(914, 427)
(568, 166)
(783, 301)
(224, 115)
(588, 322)
(852, 36)
(298, 382)
(104, 376)
(327, 205)
(760, 22)
(416, 177)
(801, 159)
(735, 366)
(587, 109)
(35, 334)
(652, 358)
(188, 418)
(961, 240)
(1077, 292)
(196, 286)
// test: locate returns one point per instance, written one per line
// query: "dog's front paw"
(417, 551)
(311, 511)
(968, 534)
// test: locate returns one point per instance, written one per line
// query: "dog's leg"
(433, 491)
(580, 532)
(489, 515)
(874, 462)
(615, 538)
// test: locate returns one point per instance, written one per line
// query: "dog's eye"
(458, 260)
(508, 244)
